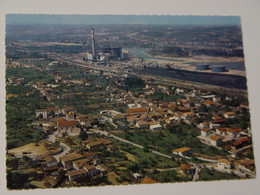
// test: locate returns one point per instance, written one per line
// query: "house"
(177, 116)
(205, 132)
(67, 160)
(183, 109)
(202, 125)
(221, 131)
(224, 164)
(182, 151)
(133, 111)
(232, 133)
(142, 124)
(53, 109)
(229, 115)
(89, 156)
(169, 120)
(214, 125)
(48, 161)
(209, 103)
(42, 112)
(215, 140)
(70, 116)
(216, 117)
(67, 126)
(187, 115)
(240, 143)
(120, 118)
(137, 175)
(94, 144)
(72, 175)
(101, 169)
(131, 120)
(156, 127)
(143, 105)
(105, 141)
(186, 168)
(67, 110)
(79, 164)
(84, 122)
(91, 170)
(50, 169)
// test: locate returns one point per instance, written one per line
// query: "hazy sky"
(120, 19)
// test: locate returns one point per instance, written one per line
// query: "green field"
(167, 141)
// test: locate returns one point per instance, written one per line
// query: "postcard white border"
(249, 13)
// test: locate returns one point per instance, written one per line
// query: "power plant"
(93, 44)
(105, 54)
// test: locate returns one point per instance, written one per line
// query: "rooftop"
(184, 149)
(77, 172)
(71, 157)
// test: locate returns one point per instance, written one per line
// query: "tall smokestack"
(93, 43)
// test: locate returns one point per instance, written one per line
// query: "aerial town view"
(125, 100)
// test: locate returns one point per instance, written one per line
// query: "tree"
(64, 134)
(12, 163)
(83, 135)
(68, 140)
(16, 180)
(26, 161)
(94, 122)
(52, 113)
(40, 116)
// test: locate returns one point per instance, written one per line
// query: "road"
(129, 142)
(196, 174)
(64, 148)
(229, 171)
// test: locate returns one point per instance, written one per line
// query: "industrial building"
(202, 67)
(218, 68)
(105, 54)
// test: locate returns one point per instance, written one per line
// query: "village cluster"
(212, 113)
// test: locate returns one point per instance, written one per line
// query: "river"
(142, 53)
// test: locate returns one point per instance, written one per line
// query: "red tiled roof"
(76, 172)
(230, 113)
(215, 138)
(204, 129)
(219, 121)
(243, 139)
(89, 167)
(137, 110)
(184, 149)
(183, 108)
(222, 129)
(237, 143)
(64, 123)
(234, 130)
(224, 161)
(185, 167)
(209, 102)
